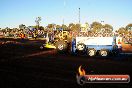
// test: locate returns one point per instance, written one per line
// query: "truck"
(93, 45)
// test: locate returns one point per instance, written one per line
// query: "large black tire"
(91, 52)
(115, 51)
(61, 46)
(81, 47)
(104, 52)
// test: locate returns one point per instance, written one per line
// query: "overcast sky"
(118, 13)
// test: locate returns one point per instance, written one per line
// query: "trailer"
(93, 45)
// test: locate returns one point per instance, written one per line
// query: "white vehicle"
(92, 45)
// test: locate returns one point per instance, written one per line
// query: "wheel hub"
(60, 47)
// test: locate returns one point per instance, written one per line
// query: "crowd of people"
(92, 34)
(52, 34)
(127, 38)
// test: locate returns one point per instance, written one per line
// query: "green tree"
(96, 27)
(77, 26)
(71, 26)
(74, 27)
(38, 19)
(22, 26)
(41, 28)
(87, 25)
(3, 30)
(51, 27)
(122, 30)
(64, 27)
(58, 27)
(129, 27)
(108, 28)
(8, 29)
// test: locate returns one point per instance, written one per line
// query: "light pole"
(79, 20)
(79, 16)
(63, 20)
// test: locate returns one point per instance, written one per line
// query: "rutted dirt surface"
(24, 65)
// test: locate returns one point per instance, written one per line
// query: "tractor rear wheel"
(61, 46)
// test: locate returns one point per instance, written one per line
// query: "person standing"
(47, 38)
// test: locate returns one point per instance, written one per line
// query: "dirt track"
(25, 66)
